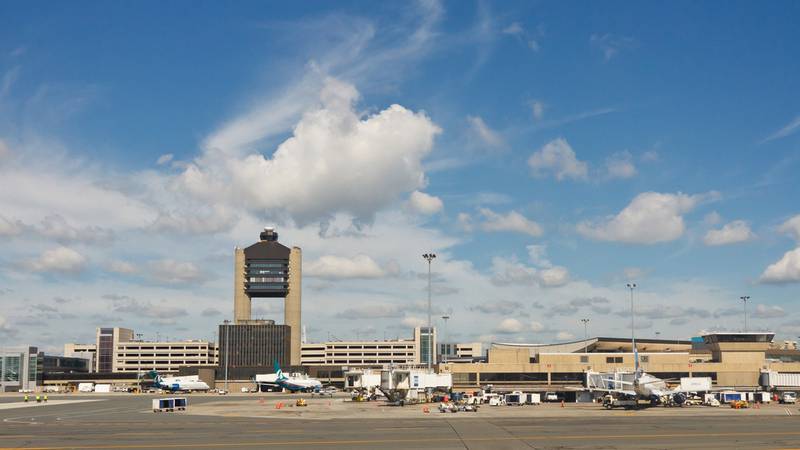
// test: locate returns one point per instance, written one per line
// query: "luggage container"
(515, 398)
(170, 404)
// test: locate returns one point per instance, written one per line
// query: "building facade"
(106, 344)
(20, 369)
(163, 356)
(370, 353)
(268, 269)
(254, 343)
(426, 343)
(85, 351)
(729, 359)
(460, 351)
(116, 350)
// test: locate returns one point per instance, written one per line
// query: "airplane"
(645, 386)
(293, 383)
(179, 384)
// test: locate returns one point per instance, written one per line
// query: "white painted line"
(32, 403)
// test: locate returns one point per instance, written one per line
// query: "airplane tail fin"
(278, 371)
(155, 376)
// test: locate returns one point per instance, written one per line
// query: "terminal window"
(614, 360)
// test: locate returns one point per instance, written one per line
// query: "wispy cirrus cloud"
(789, 129)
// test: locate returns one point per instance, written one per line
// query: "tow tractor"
(609, 402)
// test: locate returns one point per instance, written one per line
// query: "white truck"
(789, 397)
(85, 387)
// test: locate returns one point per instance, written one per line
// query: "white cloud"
(633, 273)
(60, 259)
(558, 157)
(731, 233)
(488, 136)
(768, 312)
(537, 109)
(335, 161)
(4, 150)
(175, 272)
(10, 227)
(122, 267)
(57, 228)
(651, 217)
(564, 336)
(553, 276)
(789, 129)
(712, 218)
(610, 45)
(422, 203)
(509, 272)
(509, 326)
(537, 327)
(464, 221)
(164, 159)
(620, 165)
(413, 322)
(340, 267)
(538, 255)
(513, 221)
(650, 156)
(506, 272)
(786, 270)
(791, 227)
(515, 29)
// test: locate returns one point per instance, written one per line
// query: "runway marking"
(788, 413)
(410, 440)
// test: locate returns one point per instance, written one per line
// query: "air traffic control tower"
(269, 269)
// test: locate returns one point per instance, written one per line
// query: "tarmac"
(126, 421)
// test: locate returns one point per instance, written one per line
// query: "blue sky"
(548, 152)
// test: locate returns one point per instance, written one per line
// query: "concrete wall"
(292, 304)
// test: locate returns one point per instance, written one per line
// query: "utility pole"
(585, 335)
(445, 318)
(632, 286)
(429, 257)
(227, 348)
(744, 299)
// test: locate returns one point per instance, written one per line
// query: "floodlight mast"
(429, 257)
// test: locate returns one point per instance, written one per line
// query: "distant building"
(254, 343)
(729, 359)
(85, 351)
(466, 352)
(64, 365)
(163, 356)
(368, 352)
(106, 343)
(20, 368)
(116, 350)
(426, 343)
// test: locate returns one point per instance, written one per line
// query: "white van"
(789, 397)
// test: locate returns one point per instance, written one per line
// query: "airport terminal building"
(736, 360)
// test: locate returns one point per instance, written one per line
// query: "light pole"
(445, 318)
(632, 286)
(744, 299)
(585, 335)
(139, 365)
(227, 347)
(429, 257)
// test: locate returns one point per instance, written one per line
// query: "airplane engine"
(679, 398)
(175, 386)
